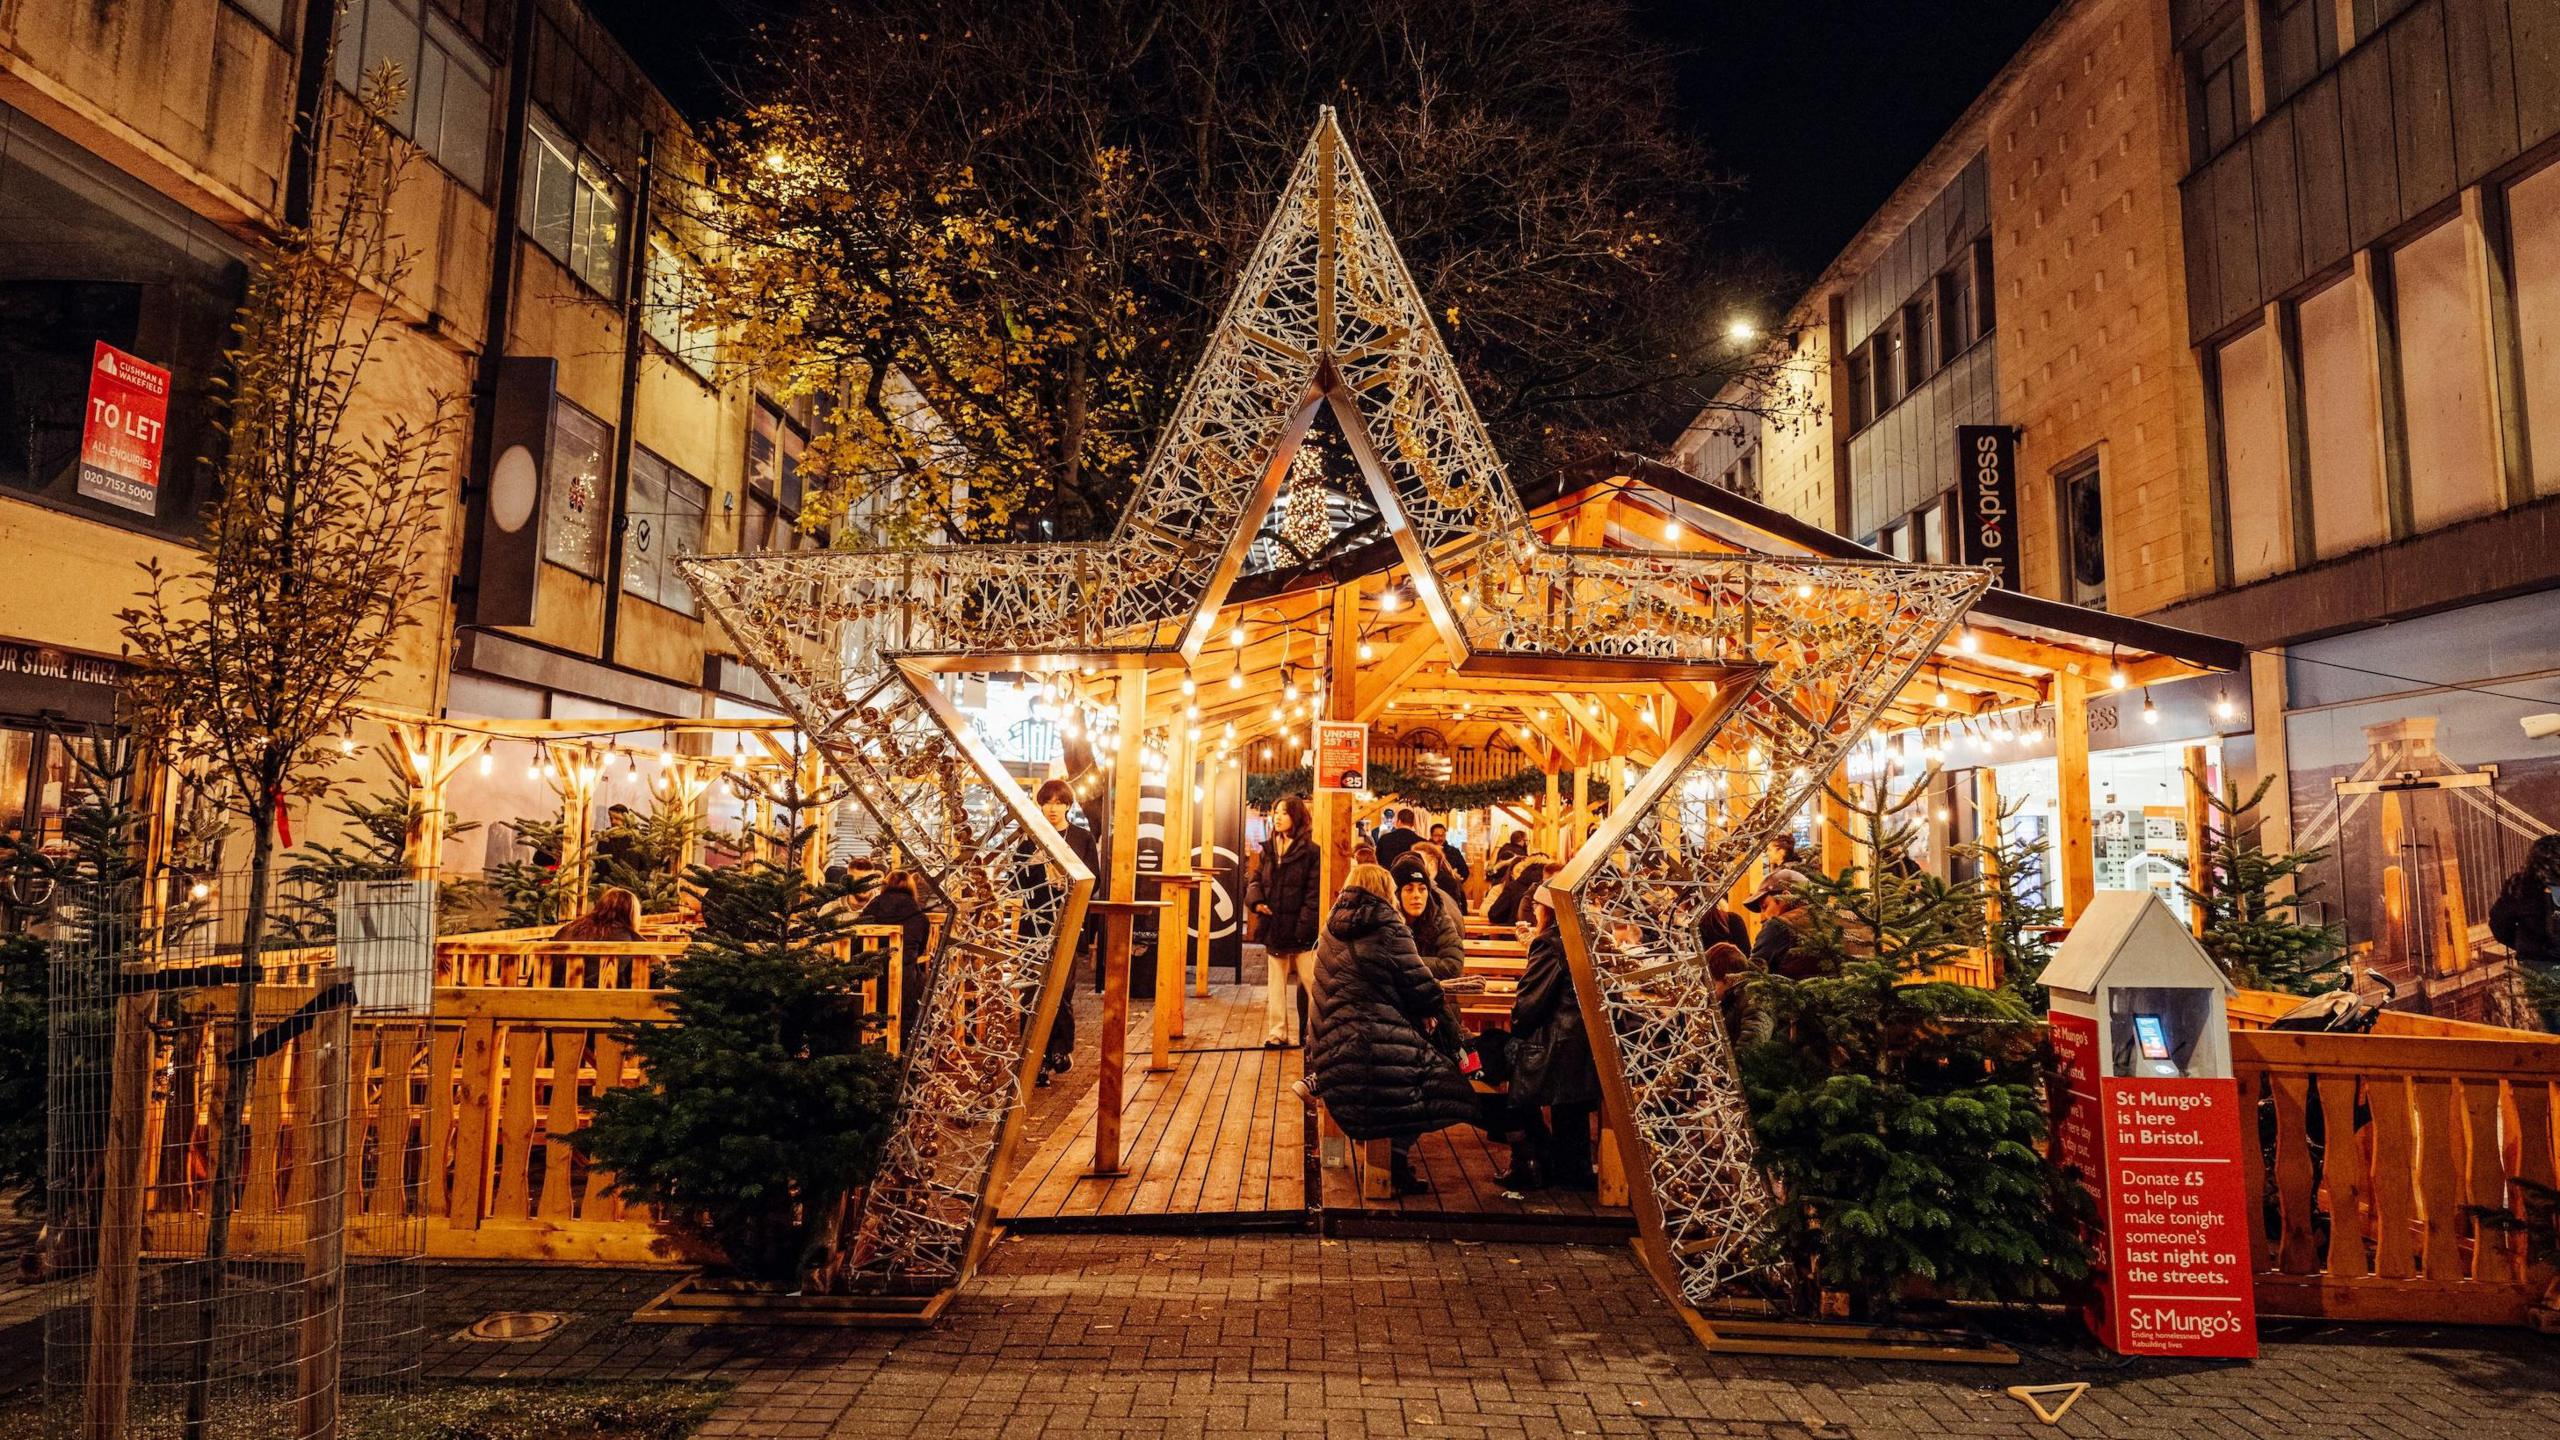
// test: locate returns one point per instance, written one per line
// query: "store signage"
(2161, 1158)
(1987, 458)
(127, 423)
(1342, 755)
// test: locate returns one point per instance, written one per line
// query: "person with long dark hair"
(1287, 903)
(1045, 891)
(1551, 1063)
(897, 903)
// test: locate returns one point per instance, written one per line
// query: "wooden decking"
(1218, 1142)
(1467, 1200)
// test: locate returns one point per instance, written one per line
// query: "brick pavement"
(1118, 1336)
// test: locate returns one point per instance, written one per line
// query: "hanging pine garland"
(1265, 789)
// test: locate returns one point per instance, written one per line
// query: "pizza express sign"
(1987, 458)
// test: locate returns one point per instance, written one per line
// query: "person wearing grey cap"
(1780, 904)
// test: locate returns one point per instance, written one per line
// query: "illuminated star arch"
(1796, 657)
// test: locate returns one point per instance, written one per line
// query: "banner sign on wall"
(121, 438)
(1342, 755)
(1987, 527)
(1225, 819)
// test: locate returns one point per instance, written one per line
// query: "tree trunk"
(230, 1136)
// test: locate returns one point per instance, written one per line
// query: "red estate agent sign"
(1342, 755)
(2162, 1159)
(127, 421)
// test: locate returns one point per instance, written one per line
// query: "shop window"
(2341, 432)
(579, 509)
(674, 291)
(445, 105)
(17, 768)
(662, 523)
(2454, 467)
(2084, 534)
(2257, 482)
(2217, 91)
(2533, 236)
(572, 208)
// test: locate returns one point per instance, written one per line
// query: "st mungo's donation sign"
(2151, 1122)
(127, 423)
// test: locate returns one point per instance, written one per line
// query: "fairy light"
(1235, 679)
(1368, 652)
(1190, 686)
(2150, 712)
(1235, 635)
(2223, 709)
(1967, 641)
(488, 762)
(347, 745)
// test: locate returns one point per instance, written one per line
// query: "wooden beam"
(1379, 680)
(2198, 815)
(1341, 702)
(2075, 845)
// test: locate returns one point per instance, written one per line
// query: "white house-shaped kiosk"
(2160, 1003)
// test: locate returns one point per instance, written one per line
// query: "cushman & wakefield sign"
(1987, 458)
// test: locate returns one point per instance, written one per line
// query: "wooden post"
(578, 768)
(1125, 781)
(324, 1235)
(1172, 923)
(1208, 889)
(2076, 843)
(427, 756)
(1839, 847)
(1577, 828)
(1986, 839)
(1333, 809)
(1551, 818)
(117, 1287)
(2199, 816)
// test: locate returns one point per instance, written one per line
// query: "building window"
(1955, 297)
(662, 523)
(268, 13)
(774, 447)
(1916, 338)
(2454, 467)
(2533, 248)
(2301, 39)
(2257, 484)
(1884, 362)
(572, 208)
(2217, 91)
(1984, 312)
(577, 510)
(2084, 534)
(1862, 406)
(674, 291)
(446, 104)
(2341, 429)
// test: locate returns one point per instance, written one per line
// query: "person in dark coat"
(2526, 919)
(1722, 925)
(1436, 860)
(1439, 937)
(1551, 1062)
(1784, 920)
(896, 903)
(1371, 1061)
(1045, 890)
(1511, 907)
(1287, 903)
(615, 920)
(1456, 855)
(1396, 839)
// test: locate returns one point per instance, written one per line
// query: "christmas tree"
(766, 1094)
(2252, 905)
(2016, 916)
(1902, 1117)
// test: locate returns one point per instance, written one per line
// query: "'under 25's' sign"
(1987, 461)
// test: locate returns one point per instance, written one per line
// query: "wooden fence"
(460, 1123)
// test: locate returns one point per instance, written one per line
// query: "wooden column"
(1173, 930)
(2075, 844)
(2199, 817)
(1117, 923)
(1548, 836)
(1342, 696)
(427, 756)
(116, 1289)
(1207, 890)
(324, 1235)
(1986, 840)
(1579, 826)
(1839, 847)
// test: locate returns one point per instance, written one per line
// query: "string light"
(1967, 641)
(1367, 652)
(347, 745)
(488, 762)
(1390, 600)
(2115, 670)
(1235, 679)
(2150, 712)
(2223, 709)
(1189, 686)
(1235, 635)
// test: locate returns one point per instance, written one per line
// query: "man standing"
(1457, 860)
(1396, 839)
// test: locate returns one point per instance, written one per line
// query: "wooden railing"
(2384, 1163)
(460, 1123)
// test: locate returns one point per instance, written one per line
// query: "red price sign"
(127, 423)
(1342, 755)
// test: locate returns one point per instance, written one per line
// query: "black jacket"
(1440, 938)
(1456, 857)
(1719, 926)
(1371, 1064)
(1291, 883)
(915, 924)
(1780, 949)
(1392, 842)
(1511, 906)
(1041, 895)
(2525, 920)
(1550, 1051)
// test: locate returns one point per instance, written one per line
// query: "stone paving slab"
(1147, 1337)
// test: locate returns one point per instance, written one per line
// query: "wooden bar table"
(1208, 921)
(1171, 949)
(1118, 918)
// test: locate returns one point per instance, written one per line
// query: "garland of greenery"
(1264, 790)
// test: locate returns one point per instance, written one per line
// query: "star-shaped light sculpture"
(1793, 658)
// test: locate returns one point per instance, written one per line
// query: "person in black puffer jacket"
(1439, 937)
(1287, 905)
(897, 904)
(1551, 1062)
(1371, 1061)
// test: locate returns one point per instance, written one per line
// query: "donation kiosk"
(2151, 1121)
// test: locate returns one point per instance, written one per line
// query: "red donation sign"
(2162, 1159)
(1342, 755)
(120, 439)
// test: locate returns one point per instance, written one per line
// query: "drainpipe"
(505, 261)
(635, 277)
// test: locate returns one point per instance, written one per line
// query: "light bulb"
(2150, 712)
(1277, 714)
(1235, 636)
(488, 762)
(1390, 601)
(2223, 708)
(1290, 690)
(1941, 700)
(1190, 712)
(1804, 591)
(2115, 679)
(1189, 687)
(1968, 642)
(199, 890)
(1235, 679)
(347, 746)
(1367, 653)
(1672, 532)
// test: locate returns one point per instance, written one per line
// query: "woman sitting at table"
(1439, 937)
(1511, 907)
(1370, 1059)
(1551, 1061)
(615, 920)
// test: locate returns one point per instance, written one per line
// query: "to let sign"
(120, 440)
(1342, 755)
(2161, 1156)
(1987, 458)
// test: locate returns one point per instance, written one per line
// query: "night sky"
(1820, 106)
